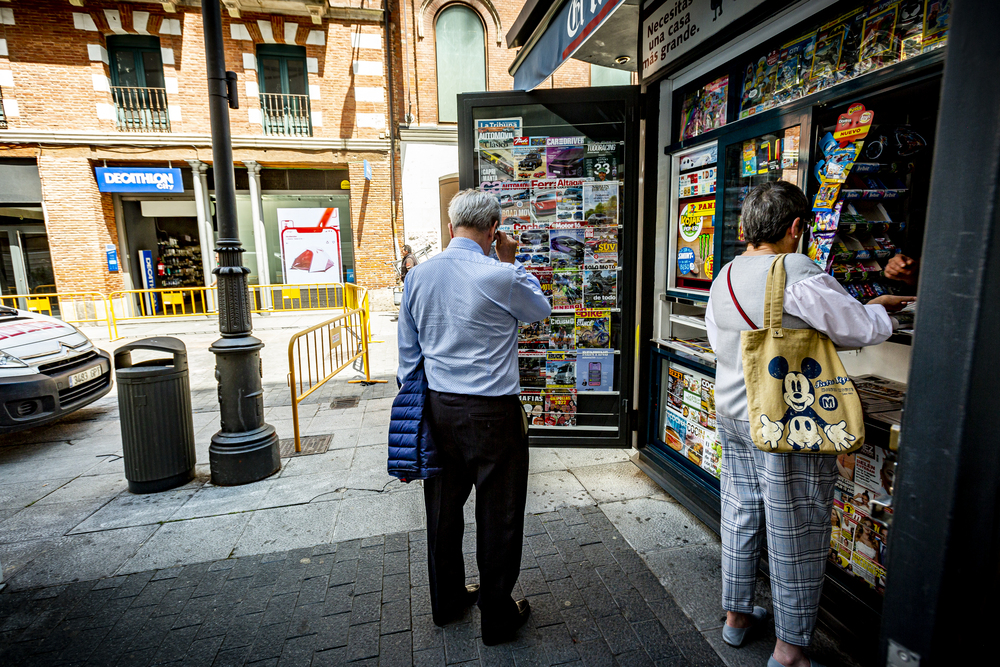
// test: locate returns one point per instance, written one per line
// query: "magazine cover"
(533, 403)
(560, 409)
(560, 370)
(532, 247)
(528, 154)
(600, 203)
(675, 431)
(544, 276)
(566, 248)
(711, 459)
(601, 162)
(562, 331)
(600, 247)
(531, 370)
(567, 289)
(533, 335)
(543, 205)
(694, 442)
(595, 370)
(569, 207)
(564, 157)
(600, 288)
(708, 397)
(593, 329)
(675, 389)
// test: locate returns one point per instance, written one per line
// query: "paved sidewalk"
(70, 531)
(594, 602)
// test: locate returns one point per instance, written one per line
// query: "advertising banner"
(136, 179)
(671, 28)
(310, 245)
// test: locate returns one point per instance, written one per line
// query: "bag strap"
(774, 294)
(735, 301)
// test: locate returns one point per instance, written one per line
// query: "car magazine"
(566, 248)
(600, 204)
(600, 247)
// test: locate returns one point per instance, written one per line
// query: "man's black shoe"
(465, 600)
(505, 632)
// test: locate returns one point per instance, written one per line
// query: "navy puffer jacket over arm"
(412, 454)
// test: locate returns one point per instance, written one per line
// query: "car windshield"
(7, 311)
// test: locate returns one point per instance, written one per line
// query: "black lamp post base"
(242, 458)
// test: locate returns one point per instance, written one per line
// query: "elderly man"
(459, 316)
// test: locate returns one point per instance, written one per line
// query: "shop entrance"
(25, 262)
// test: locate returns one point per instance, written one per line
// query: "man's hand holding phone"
(506, 247)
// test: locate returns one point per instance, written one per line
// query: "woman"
(407, 262)
(788, 496)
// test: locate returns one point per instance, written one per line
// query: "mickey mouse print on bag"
(806, 427)
(799, 396)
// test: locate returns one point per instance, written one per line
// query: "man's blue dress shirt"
(460, 312)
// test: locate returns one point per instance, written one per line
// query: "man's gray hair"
(475, 209)
(770, 209)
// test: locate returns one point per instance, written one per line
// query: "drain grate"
(310, 444)
(345, 402)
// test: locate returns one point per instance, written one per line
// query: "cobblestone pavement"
(365, 602)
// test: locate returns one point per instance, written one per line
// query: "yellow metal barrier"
(71, 307)
(282, 298)
(328, 348)
(138, 304)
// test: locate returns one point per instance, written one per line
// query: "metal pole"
(246, 448)
(944, 542)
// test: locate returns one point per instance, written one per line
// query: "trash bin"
(154, 399)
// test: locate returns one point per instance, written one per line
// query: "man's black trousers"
(480, 441)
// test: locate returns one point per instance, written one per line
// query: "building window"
(3, 116)
(137, 84)
(609, 76)
(460, 40)
(284, 90)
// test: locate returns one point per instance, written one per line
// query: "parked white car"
(48, 368)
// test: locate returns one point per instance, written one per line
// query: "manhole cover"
(345, 402)
(310, 444)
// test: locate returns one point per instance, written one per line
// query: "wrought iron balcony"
(287, 115)
(141, 109)
(3, 116)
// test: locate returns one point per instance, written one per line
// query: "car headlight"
(10, 361)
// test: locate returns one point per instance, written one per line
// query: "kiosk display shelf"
(560, 168)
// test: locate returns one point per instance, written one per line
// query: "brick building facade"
(428, 143)
(123, 84)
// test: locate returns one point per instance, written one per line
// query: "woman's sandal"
(736, 636)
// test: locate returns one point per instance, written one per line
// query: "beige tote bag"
(800, 398)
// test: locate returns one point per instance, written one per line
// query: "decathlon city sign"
(135, 179)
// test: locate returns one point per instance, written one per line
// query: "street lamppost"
(246, 448)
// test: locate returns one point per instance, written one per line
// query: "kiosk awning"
(602, 32)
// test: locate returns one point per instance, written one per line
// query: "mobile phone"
(594, 374)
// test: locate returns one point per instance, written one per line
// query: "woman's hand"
(893, 303)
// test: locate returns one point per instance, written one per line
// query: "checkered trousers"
(788, 498)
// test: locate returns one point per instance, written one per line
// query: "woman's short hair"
(475, 209)
(770, 209)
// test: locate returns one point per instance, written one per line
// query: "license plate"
(84, 376)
